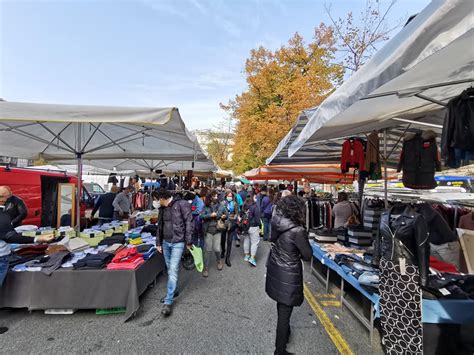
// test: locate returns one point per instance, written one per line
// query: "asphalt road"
(228, 313)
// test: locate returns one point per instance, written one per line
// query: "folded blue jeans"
(3, 268)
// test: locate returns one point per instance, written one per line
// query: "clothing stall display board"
(434, 311)
(81, 289)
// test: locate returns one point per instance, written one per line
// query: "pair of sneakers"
(251, 260)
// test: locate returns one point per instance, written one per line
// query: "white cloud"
(165, 7)
(200, 6)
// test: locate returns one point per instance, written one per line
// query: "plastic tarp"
(318, 173)
(59, 132)
(431, 57)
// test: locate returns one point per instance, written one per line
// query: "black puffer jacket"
(419, 160)
(175, 222)
(290, 244)
(405, 237)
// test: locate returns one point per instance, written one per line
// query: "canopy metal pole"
(385, 176)
(79, 177)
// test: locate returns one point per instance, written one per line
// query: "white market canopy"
(100, 135)
(280, 155)
(409, 80)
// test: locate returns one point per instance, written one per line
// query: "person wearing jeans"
(212, 241)
(252, 239)
(3, 271)
(172, 253)
(174, 232)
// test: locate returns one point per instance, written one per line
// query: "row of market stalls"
(105, 139)
(99, 267)
(404, 89)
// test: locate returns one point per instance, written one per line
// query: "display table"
(434, 311)
(81, 289)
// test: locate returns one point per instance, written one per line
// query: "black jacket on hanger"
(458, 128)
(419, 160)
(404, 235)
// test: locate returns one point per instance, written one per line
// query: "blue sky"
(188, 54)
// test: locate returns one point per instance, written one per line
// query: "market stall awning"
(319, 173)
(430, 61)
(280, 155)
(61, 132)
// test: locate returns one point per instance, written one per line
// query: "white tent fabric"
(430, 61)
(58, 132)
(97, 134)
(72, 169)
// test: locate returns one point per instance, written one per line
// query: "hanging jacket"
(372, 157)
(458, 129)
(419, 161)
(352, 155)
(284, 281)
(404, 235)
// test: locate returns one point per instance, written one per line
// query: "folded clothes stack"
(93, 261)
(135, 238)
(128, 259)
(118, 238)
(359, 236)
(325, 235)
(115, 248)
(50, 263)
(74, 244)
(147, 250)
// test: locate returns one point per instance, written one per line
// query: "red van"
(39, 191)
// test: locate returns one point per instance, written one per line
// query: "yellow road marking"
(325, 295)
(333, 333)
(331, 303)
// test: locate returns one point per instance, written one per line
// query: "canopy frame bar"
(55, 136)
(418, 89)
(417, 122)
(33, 137)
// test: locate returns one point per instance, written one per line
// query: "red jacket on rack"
(352, 155)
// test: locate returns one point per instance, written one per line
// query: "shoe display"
(252, 261)
(166, 311)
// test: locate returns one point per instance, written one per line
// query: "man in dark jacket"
(284, 281)
(104, 205)
(174, 232)
(13, 205)
(265, 205)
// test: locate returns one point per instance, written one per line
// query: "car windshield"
(94, 188)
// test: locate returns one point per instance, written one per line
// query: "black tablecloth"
(80, 289)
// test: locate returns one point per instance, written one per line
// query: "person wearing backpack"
(265, 205)
(212, 240)
(251, 220)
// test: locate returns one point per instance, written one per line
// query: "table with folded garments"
(104, 268)
(355, 268)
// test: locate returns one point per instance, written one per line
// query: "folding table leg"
(342, 292)
(327, 279)
(371, 330)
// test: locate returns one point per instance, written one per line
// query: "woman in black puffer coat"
(284, 282)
